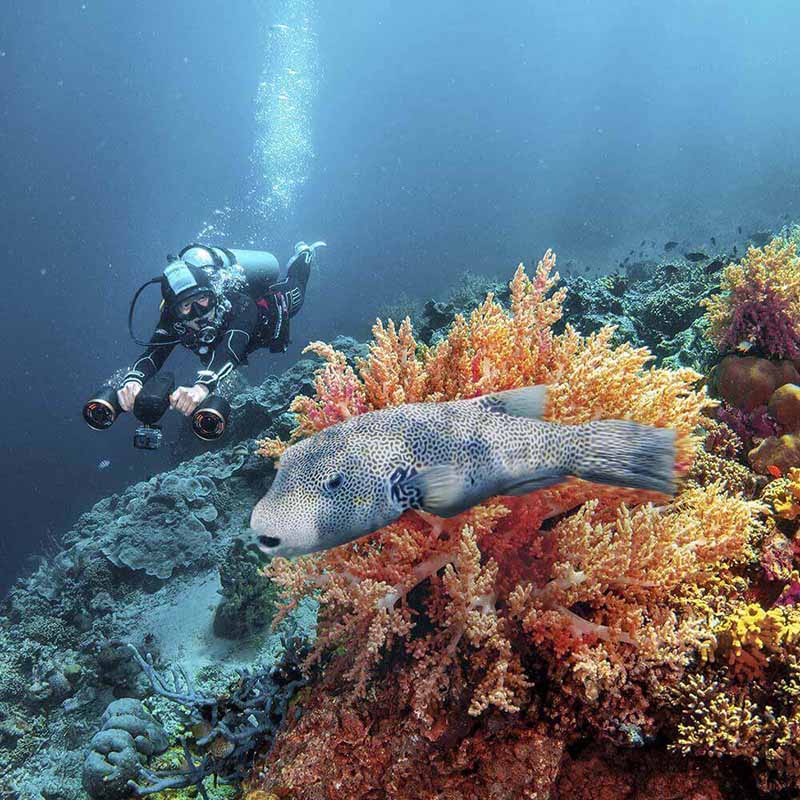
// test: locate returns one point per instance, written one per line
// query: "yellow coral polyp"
(756, 634)
(785, 495)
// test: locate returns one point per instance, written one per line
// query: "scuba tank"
(261, 269)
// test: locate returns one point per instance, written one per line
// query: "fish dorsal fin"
(529, 401)
(440, 490)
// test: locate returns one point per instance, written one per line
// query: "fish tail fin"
(624, 453)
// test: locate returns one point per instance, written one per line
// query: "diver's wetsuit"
(240, 324)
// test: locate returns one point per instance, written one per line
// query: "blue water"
(442, 137)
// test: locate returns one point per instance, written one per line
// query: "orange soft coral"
(496, 610)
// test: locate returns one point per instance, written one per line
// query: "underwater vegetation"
(582, 641)
(755, 322)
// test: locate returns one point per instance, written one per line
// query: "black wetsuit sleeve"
(232, 345)
(162, 343)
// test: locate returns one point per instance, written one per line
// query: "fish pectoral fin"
(440, 490)
(529, 401)
(540, 481)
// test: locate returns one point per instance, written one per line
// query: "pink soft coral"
(759, 302)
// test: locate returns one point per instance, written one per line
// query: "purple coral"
(765, 322)
(748, 425)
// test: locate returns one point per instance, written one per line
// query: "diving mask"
(199, 305)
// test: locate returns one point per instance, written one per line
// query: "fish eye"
(269, 541)
(333, 483)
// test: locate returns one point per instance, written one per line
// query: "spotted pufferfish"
(352, 478)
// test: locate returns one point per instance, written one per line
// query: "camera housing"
(151, 404)
(147, 437)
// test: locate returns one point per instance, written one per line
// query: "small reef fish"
(280, 27)
(104, 464)
(670, 246)
(760, 238)
(695, 256)
(714, 266)
(713, 241)
(774, 471)
(354, 477)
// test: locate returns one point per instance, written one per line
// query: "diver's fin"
(529, 401)
(541, 481)
(440, 490)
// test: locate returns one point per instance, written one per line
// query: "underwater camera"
(209, 420)
(150, 405)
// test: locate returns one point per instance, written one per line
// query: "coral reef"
(248, 602)
(616, 623)
(526, 625)
(757, 312)
(128, 736)
(224, 731)
(759, 303)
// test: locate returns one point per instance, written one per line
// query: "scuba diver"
(222, 304)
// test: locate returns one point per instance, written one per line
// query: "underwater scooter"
(209, 419)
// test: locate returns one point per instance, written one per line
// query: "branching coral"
(759, 302)
(576, 607)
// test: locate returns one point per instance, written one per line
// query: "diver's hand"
(186, 400)
(127, 394)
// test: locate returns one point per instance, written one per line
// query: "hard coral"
(746, 382)
(780, 453)
(784, 407)
(759, 302)
(523, 623)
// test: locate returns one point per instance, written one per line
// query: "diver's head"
(187, 291)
